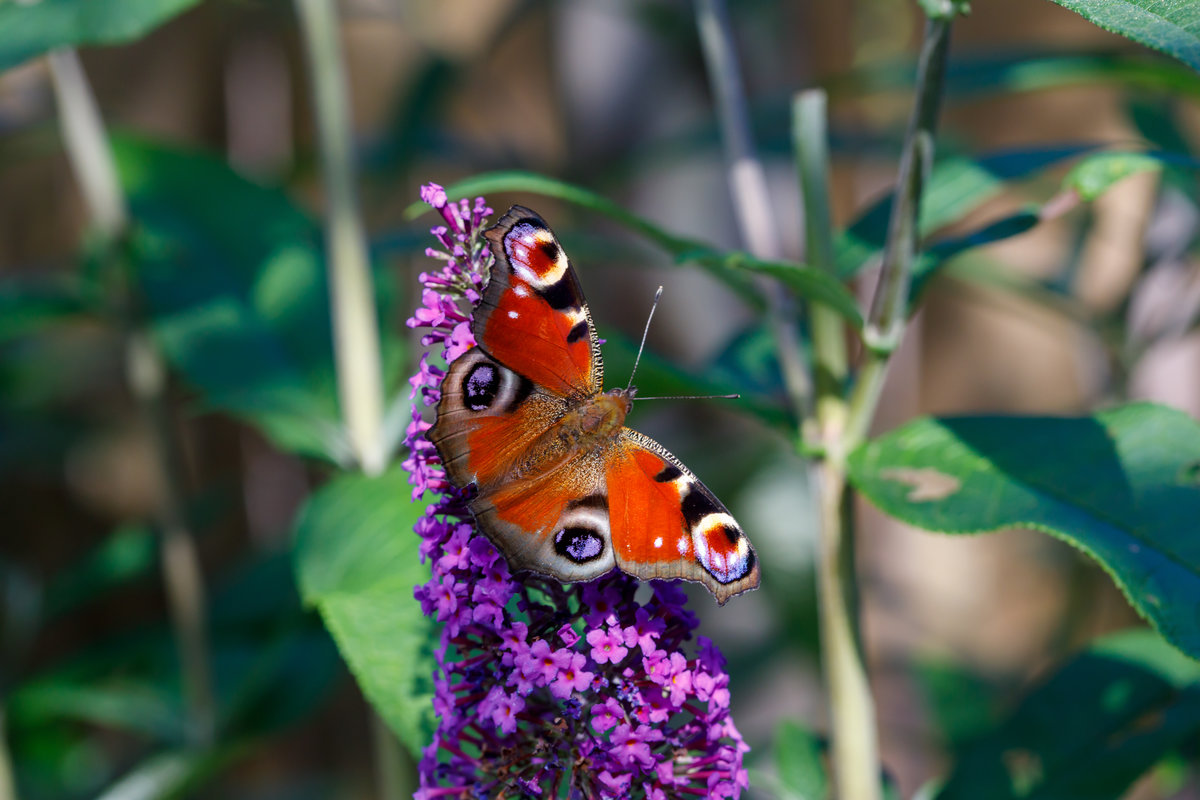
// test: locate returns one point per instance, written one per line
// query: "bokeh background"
(612, 95)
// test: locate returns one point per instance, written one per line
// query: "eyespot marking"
(579, 545)
(480, 386)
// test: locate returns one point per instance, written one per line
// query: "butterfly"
(563, 488)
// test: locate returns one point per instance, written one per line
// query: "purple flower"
(608, 644)
(572, 677)
(607, 715)
(526, 699)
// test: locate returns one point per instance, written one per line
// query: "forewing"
(533, 317)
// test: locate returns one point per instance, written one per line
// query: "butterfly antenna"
(695, 397)
(645, 332)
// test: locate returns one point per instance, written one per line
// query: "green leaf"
(233, 278)
(175, 774)
(27, 307)
(1097, 173)
(1089, 730)
(1169, 26)
(357, 561)
(659, 377)
(727, 266)
(31, 29)
(138, 706)
(798, 760)
(805, 281)
(956, 187)
(1123, 486)
(128, 553)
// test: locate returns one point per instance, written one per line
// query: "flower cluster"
(542, 688)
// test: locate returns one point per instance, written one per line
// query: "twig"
(885, 325)
(855, 750)
(751, 201)
(88, 150)
(8, 784)
(355, 327)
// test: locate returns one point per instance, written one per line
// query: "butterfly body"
(563, 488)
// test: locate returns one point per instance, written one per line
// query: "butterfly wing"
(539, 501)
(665, 523)
(532, 317)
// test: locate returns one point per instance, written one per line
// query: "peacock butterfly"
(563, 488)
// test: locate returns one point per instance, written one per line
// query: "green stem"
(393, 766)
(355, 326)
(751, 200)
(855, 751)
(8, 782)
(91, 159)
(810, 142)
(889, 308)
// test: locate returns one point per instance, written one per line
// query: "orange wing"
(666, 524)
(533, 318)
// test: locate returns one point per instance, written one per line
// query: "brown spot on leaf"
(927, 484)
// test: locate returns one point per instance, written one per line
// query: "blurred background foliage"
(1061, 274)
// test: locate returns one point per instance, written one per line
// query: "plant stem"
(352, 298)
(855, 752)
(8, 783)
(91, 159)
(355, 327)
(751, 201)
(889, 308)
(810, 142)
(855, 756)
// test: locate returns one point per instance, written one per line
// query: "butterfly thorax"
(596, 420)
(591, 423)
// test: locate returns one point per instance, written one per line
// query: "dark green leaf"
(174, 774)
(972, 76)
(1121, 486)
(233, 278)
(129, 705)
(1089, 730)
(1169, 26)
(26, 307)
(31, 29)
(956, 187)
(962, 704)
(128, 553)
(357, 560)
(658, 377)
(799, 762)
(805, 281)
